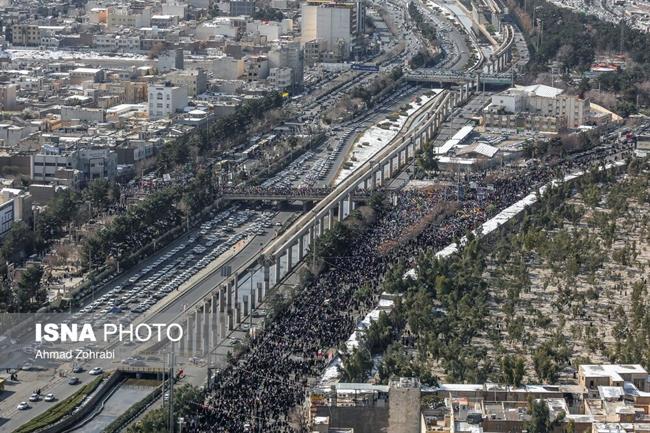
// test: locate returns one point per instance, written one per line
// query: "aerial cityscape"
(325, 216)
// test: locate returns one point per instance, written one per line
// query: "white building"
(280, 78)
(52, 164)
(288, 55)
(221, 26)
(539, 101)
(175, 9)
(165, 100)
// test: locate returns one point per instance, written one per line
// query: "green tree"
(540, 421)
(18, 244)
(379, 334)
(357, 365)
(30, 295)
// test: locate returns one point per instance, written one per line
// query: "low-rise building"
(536, 107)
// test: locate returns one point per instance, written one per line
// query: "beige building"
(25, 35)
(194, 80)
(122, 16)
(328, 23)
(7, 96)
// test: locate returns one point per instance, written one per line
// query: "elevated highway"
(209, 319)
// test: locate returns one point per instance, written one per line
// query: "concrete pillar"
(278, 268)
(289, 258)
(222, 299)
(235, 284)
(260, 293)
(245, 306)
(238, 308)
(374, 179)
(211, 314)
(251, 293)
(214, 319)
(185, 342)
(350, 203)
(301, 246)
(330, 218)
(195, 332)
(205, 327)
(265, 284)
(231, 323)
(312, 236)
(223, 310)
(341, 215)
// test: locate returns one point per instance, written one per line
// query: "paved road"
(48, 380)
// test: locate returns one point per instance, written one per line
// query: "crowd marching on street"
(259, 391)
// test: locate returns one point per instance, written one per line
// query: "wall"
(362, 419)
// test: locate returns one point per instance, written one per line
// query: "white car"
(50, 397)
(23, 405)
(96, 371)
(34, 397)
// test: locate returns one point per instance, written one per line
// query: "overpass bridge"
(450, 77)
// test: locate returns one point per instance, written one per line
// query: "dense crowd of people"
(260, 390)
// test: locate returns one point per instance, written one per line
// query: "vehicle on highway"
(96, 371)
(23, 405)
(50, 397)
(73, 381)
(35, 397)
(77, 369)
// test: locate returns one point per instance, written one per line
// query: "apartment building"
(8, 96)
(15, 205)
(328, 23)
(53, 164)
(166, 99)
(125, 16)
(195, 81)
(25, 35)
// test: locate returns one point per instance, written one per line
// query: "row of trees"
(424, 25)
(218, 133)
